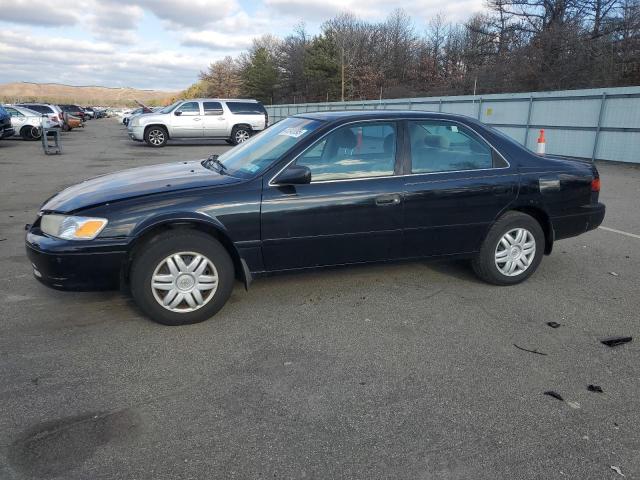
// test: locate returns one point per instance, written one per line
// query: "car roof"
(249, 100)
(330, 116)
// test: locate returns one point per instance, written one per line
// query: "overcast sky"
(163, 44)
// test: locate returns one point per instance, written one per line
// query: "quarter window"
(247, 108)
(212, 108)
(189, 108)
(353, 151)
(438, 146)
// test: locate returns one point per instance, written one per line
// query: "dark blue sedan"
(314, 190)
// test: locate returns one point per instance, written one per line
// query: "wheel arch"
(166, 129)
(543, 219)
(215, 230)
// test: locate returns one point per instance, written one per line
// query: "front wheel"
(240, 134)
(511, 251)
(156, 136)
(181, 277)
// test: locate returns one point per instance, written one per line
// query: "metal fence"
(601, 124)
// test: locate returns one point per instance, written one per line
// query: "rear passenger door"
(187, 121)
(216, 121)
(458, 185)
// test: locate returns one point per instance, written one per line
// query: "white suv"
(232, 120)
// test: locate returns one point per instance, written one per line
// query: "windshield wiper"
(213, 160)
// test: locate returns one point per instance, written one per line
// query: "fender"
(202, 222)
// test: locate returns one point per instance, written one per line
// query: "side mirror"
(178, 113)
(294, 175)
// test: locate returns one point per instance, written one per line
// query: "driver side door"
(187, 121)
(350, 212)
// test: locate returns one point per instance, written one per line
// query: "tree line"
(515, 46)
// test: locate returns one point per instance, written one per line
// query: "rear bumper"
(62, 264)
(572, 225)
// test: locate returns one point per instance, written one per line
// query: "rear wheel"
(182, 277)
(511, 251)
(156, 136)
(240, 134)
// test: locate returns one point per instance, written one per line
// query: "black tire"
(484, 264)
(229, 141)
(25, 133)
(156, 136)
(156, 251)
(239, 134)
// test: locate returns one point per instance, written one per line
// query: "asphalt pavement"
(376, 372)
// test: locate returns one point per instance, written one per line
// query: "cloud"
(63, 60)
(36, 12)
(372, 10)
(195, 14)
(217, 41)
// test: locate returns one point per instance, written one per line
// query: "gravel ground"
(391, 371)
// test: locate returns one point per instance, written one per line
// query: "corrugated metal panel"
(600, 123)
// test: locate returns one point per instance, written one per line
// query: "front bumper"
(71, 265)
(7, 132)
(136, 133)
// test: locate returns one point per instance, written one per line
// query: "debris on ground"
(595, 388)
(527, 350)
(553, 324)
(553, 394)
(615, 341)
(574, 405)
(614, 274)
(617, 470)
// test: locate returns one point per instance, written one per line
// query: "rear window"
(38, 108)
(250, 108)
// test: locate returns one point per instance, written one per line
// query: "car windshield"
(169, 108)
(258, 153)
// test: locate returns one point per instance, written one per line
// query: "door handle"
(385, 200)
(197, 119)
(221, 118)
(502, 189)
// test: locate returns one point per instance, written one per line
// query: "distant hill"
(82, 95)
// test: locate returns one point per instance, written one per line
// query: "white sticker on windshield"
(293, 132)
(454, 128)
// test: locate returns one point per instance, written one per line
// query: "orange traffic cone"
(541, 143)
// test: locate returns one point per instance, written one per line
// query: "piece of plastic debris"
(553, 394)
(286, 364)
(595, 388)
(553, 324)
(575, 405)
(527, 350)
(615, 341)
(614, 274)
(617, 470)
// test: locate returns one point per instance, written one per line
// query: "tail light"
(54, 118)
(595, 184)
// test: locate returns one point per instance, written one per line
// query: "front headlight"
(72, 227)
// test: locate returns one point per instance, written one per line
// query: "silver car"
(53, 112)
(232, 120)
(28, 123)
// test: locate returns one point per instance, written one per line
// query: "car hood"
(135, 182)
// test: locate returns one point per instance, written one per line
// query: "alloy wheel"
(156, 137)
(242, 136)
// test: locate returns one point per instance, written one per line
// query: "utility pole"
(342, 64)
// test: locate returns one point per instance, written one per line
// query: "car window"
(353, 151)
(189, 108)
(246, 108)
(212, 108)
(438, 146)
(13, 112)
(262, 150)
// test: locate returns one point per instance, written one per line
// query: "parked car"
(314, 190)
(28, 123)
(89, 113)
(74, 110)
(52, 111)
(6, 129)
(231, 120)
(128, 115)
